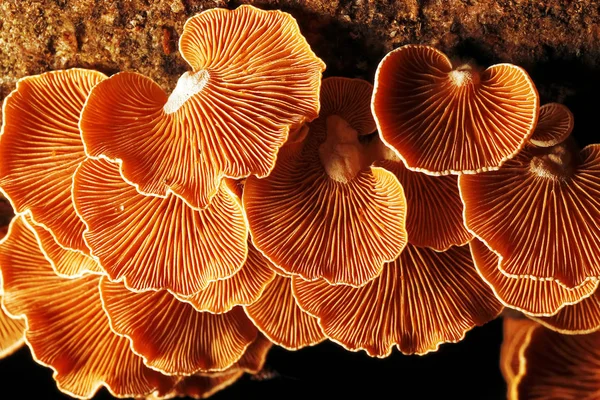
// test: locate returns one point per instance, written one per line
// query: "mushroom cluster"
(161, 244)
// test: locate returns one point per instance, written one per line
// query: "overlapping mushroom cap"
(154, 242)
(254, 80)
(421, 300)
(540, 213)
(40, 148)
(324, 212)
(452, 119)
(67, 329)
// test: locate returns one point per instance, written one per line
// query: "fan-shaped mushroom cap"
(435, 217)
(421, 300)
(243, 288)
(158, 243)
(278, 317)
(324, 212)
(67, 330)
(40, 147)
(179, 340)
(580, 318)
(560, 367)
(554, 125)
(540, 213)
(254, 79)
(531, 296)
(443, 119)
(516, 336)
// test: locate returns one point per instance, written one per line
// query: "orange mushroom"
(422, 299)
(516, 337)
(254, 79)
(324, 211)
(277, 315)
(554, 125)
(40, 148)
(579, 318)
(158, 243)
(445, 119)
(179, 340)
(67, 329)
(533, 297)
(560, 367)
(540, 213)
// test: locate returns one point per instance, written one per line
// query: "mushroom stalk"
(464, 75)
(188, 85)
(556, 162)
(342, 154)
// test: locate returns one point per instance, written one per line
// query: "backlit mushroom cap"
(243, 288)
(324, 212)
(452, 119)
(560, 367)
(278, 317)
(421, 300)
(540, 213)
(554, 125)
(254, 79)
(580, 318)
(158, 243)
(531, 296)
(67, 329)
(516, 336)
(171, 335)
(435, 218)
(40, 148)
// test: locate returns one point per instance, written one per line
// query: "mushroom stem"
(556, 162)
(188, 85)
(463, 75)
(342, 154)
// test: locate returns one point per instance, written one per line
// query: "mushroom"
(531, 296)
(67, 329)
(554, 125)
(516, 337)
(40, 148)
(422, 299)
(540, 213)
(560, 366)
(254, 80)
(579, 318)
(173, 337)
(324, 211)
(443, 118)
(277, 315)
(157, 243)
(435, 218)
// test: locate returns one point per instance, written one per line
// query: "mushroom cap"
(539, 212)
(243, 288)
(182, 341)
(435, 211)
(531, 296)
(254, 80)
(560, 366)
(421, 300)
(554, 125)
(576, 319)
(158, 243)
(277, 315)
(443, 120)
(67, 329)
(40, 148)
(308, 217)
(516, 336)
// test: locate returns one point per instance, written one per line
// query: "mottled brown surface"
(557, 41)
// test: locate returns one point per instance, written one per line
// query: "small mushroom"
(422, 299)
(254, 80)
(534, 297)
(277, 315)
(171, 335)
(540, 213)
(40, 148)
(157, 243)
(324, 211)
(67, 329)
(554, 125)
(445, 119)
